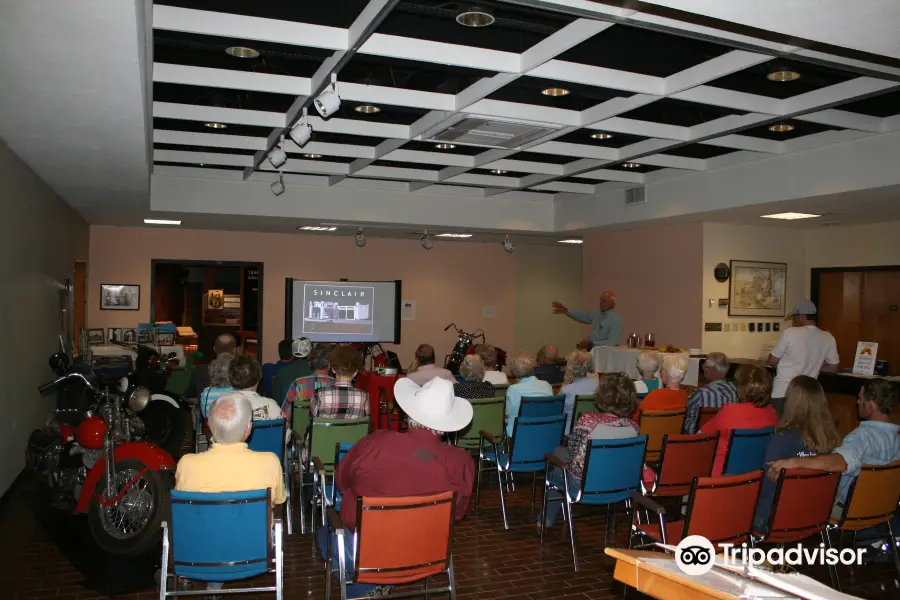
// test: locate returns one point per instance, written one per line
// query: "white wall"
(723, 243)
(876, 244)
(40, 239)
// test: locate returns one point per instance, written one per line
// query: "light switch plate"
(743, 327)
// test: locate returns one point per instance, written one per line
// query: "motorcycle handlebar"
(43, 389)
(449, 326)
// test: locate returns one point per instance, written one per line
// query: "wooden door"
(840, 299)
(880, 319)
(79, 301)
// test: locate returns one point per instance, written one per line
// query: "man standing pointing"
(606, 324)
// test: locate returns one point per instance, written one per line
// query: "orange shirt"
(662, 399)
(743, 415)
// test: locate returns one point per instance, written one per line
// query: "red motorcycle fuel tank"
(91, 432)
(66, 433)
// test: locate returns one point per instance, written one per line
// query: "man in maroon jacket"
(389, 464)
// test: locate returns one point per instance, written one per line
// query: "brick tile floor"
(490, 562)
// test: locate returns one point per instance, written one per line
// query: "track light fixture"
(508, 245)
(277, 186)
(328, 101)
(277, 156)
(427, 240)
(302, 131)
(360, 238)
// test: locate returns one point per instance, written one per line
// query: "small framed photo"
(165, 339)
(95, 336)
(120, 296)
(129, 335)
(145, 336)
(215, 299)
(113, 334)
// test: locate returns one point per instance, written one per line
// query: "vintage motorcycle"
(95, 461)
(465, 343)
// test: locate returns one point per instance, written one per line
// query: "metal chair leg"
(279, 563)
(164, 567)
(893, 544)
(533, 489)
(615, 513)
(544, 500)
(478, 470)
(571, 531)
(832, 569)
(452, 578)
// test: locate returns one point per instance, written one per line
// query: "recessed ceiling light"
(498, 171)
(445, 146)
(161, 222)
(571, 241)
(312, 156)
(214, 125)
(790, 216)
(242, 52)
(367, 109)
(316, 228)
(601, 136)
(631, 165)
(781, 127)
(475, 16)
(454, 235)
(555, 91)
(783, 75)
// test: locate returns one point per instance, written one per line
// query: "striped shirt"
(342, 401)
(712, 395)
(210, 395)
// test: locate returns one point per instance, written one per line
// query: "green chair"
(300, 419)
(583, 403)
(487, 415)
(178, 381)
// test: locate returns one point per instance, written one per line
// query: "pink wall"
(452, 282)
(656, 275)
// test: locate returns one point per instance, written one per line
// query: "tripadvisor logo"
(695, 555)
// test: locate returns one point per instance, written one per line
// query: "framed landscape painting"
(757, 289)
(118, 296)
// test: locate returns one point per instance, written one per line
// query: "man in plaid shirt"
(302, 390)
(716, 394)
(342, 400)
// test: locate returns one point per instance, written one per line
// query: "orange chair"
(706, 415)
(705, 515)
(682, 458)
(656, 424)
(397, 541)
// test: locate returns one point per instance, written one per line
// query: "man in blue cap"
(803, 349)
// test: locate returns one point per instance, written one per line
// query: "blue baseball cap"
(803, 307)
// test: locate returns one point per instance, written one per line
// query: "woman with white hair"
(580, 367)
(219, 381)
(670, 396)
(472, 385)
(522, 368)
(647, 365)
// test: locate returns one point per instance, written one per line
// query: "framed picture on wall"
(95, 336)
(757, 289)
(129, 335)
(113, 334)
(165, 339)
(120, 296)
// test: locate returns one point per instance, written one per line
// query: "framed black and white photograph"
(120, 296)
(113, 334)
(129, 335)
(757, 289)
(95, 336)
(165, 339)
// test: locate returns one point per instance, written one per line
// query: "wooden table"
(656, 582)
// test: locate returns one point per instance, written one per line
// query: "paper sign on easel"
(864, 364)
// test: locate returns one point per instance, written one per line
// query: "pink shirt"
(426, 373)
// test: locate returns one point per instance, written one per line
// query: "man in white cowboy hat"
(389, 463)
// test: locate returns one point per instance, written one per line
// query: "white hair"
(522, 366)
(579, 363)
(218, 370)
(675, 367)
(229, 417)
(472, 368)
(648, 363)
(718, 362)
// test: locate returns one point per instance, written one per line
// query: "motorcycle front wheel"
(131, 525)
(165, 426)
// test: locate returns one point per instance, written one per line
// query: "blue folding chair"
(221, 537)
(542, 406)
(612, 471)
(532, 439)
(269, 436)
(746, 450)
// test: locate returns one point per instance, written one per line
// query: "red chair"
(706, 415)
(682, 458)
(705, 515)
(398, 541)
(655, 424)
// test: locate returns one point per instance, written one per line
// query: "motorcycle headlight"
(138, 399)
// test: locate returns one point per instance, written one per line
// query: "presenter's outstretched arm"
(576, 315)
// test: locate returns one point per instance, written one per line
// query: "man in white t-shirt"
(803, 349)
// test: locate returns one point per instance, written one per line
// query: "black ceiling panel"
(325, 158)
(801, 128)
(885, 105)
(333, 13)
(643, 51)
(702, 151)
(679, 112)
(196, 166)
(641, 169)
(754, 81)
(398, 115)
(515, 29)
(409, 74)
(207, 96)
(199, 127)
(583, 136)
(214, 149)
(555, 159)
(577, 180)
(407, 165)
(527, 90)
(432, 147)
(209, 51)
(344, 138)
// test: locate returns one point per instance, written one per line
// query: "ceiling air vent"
(636, 195)
(494, 132)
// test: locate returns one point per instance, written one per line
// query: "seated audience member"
(388, 464)
(616, 401)
(269, 370)
(546, 368)
(200, 378)
(715, 394)
(302, 389)
(244, 374)
(875, 442)
(806, 428)
(752, 410)
(522, 368)
(488, 356)
(648, 363)
(670, 396)
(423, 369)
(341, 400)
(219, 382)
(473, 385)
(580, 365)
(288, 374)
